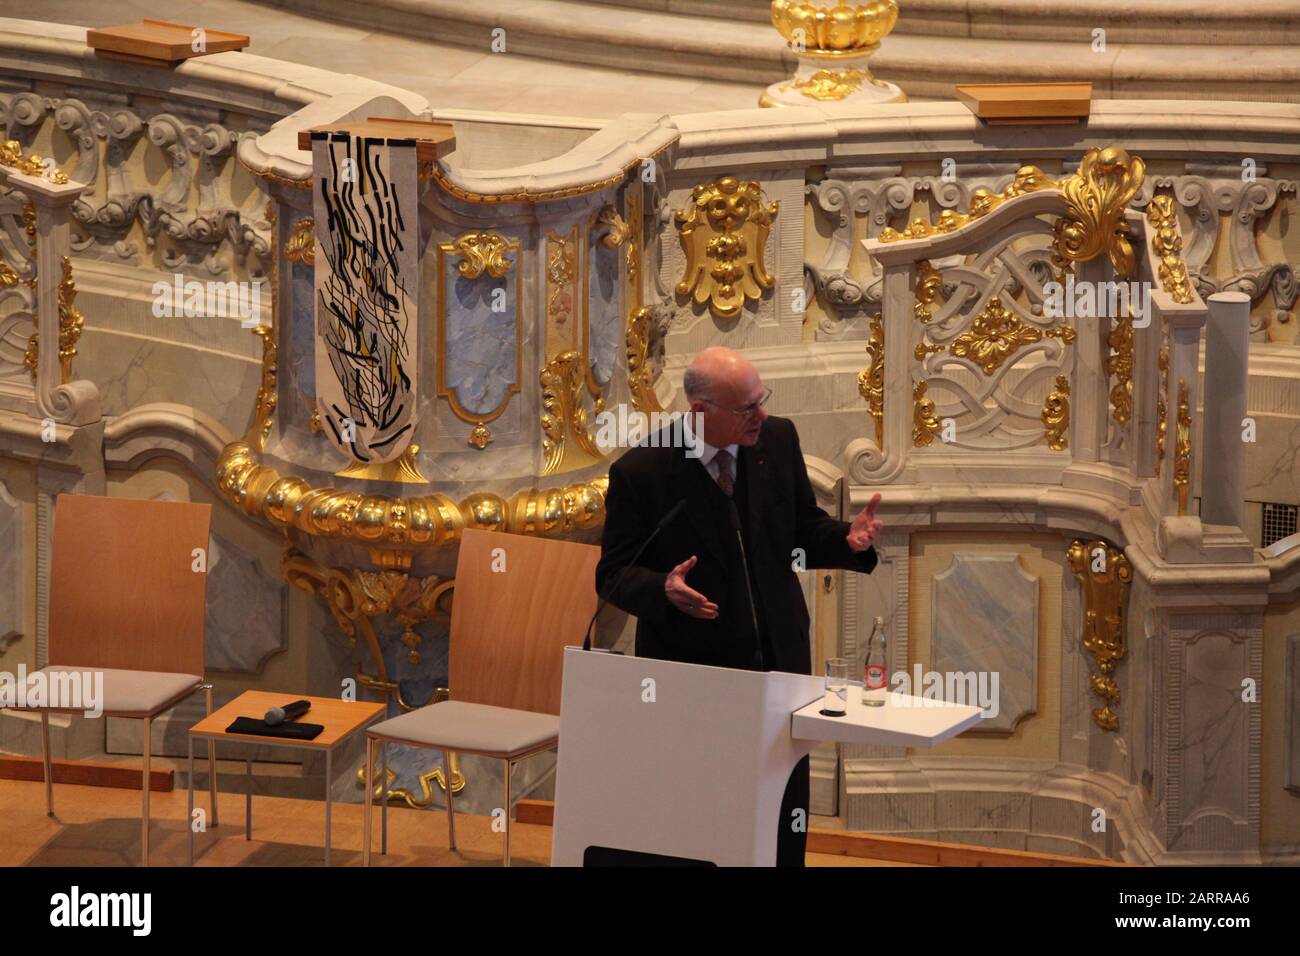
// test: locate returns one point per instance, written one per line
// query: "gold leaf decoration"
(1183, 449)
(724, 234)
(301, 244)
(563, 413)
(994, 336)
(839, 30)
(830, 84)
(1167, 243)
(1056, 415)
(11, 156)
(871, 380)
(1105, 592)
(404, 469)
(640, 376)
(404, 522)
(482, 252)
(1162, 409)
(982, 202)
(924, 423)
(929, 281)
(617, 230)
(1119, 364)
(71, 321)
(1096, 198)
(426, 780)
(561, 271)
(354, 597)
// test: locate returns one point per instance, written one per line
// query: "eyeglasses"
(749, 411)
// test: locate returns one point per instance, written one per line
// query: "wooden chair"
(125, 601)
(518, 601)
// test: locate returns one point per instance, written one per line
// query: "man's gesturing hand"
(685, 599)
(865, 526)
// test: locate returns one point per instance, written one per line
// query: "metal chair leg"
(451, 810)
(212, 766)
(144, 823)
(366, 830)
(45, 760)
(509, 767)
(248, 798)
(329, 800)
(383, 798)
(189, 800)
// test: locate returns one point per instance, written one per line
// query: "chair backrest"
(513, 612)
(123, 590)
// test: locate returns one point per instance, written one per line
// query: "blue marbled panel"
(604, 316)
(302, 332)
(481, 345)
(244, 622)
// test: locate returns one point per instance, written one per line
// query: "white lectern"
(685, 761)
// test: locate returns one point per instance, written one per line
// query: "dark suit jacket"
(644, 485)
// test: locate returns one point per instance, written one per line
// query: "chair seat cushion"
(478, 728)
(124, 692)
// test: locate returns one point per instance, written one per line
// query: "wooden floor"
(100, 826)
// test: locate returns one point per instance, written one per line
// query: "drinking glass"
(835, 702)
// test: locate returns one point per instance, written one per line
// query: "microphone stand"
(734, 515)
(663, 523)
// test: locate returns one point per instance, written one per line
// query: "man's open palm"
(683, 597)
(866, 526)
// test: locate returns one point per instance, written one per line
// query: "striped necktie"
(726, 480)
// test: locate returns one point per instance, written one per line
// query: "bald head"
(718, 384)
(718, 369)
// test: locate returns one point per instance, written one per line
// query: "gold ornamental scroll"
(724, 234)
(1105, 575)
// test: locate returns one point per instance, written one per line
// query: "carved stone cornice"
(192, 207)
(982, 202)
(1211, 196)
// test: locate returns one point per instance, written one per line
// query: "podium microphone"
(663, 523)
(734, 515)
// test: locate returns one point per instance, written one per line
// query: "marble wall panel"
(984, 620)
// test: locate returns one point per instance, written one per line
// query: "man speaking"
(743, 480)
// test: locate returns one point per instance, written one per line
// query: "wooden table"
(340, 718)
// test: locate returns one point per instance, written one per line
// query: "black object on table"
(289, 729)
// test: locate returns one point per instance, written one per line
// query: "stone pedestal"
(839, 80)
